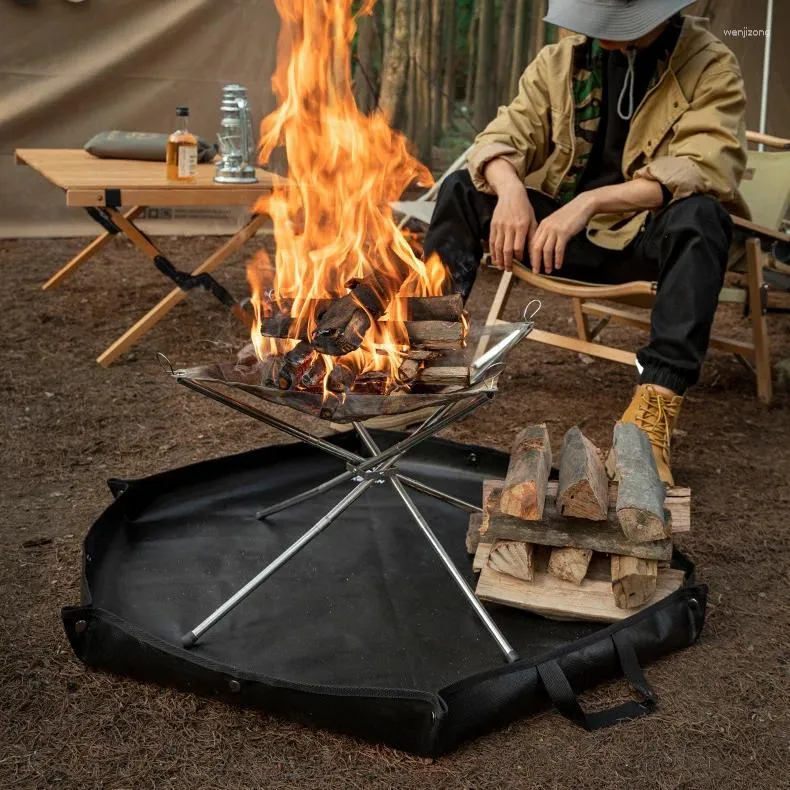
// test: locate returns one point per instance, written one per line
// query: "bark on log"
(435, 334)
(677, 503)
(555, 530)
(438, 375)
(512, 558)
(633, 581)
(640, 494)
(583, 490)
(569, 563)
(473, 533)
(425, 335)
(524, 492)
(411, 308)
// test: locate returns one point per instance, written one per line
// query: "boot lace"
(654, 416)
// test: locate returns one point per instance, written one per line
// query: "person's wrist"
(509, 187)
(591, 201)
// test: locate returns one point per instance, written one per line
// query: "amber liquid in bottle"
(181, 155)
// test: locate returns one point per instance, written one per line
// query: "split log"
(513, 558)
(524, 492)
(473, 533)
(342, 326)
(410, 308)
(409, 369)
(677, 502)
(425, 335)
(570, 564)
(433, 308)
(341, 378)
(489, 487)
(548, 596)
(438, 375)
(435, 334)
(640, 494)
(633, 581)
(583, 490)
(555, 530)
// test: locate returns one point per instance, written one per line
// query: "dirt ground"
(68, 425)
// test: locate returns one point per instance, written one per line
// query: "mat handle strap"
(567, 703)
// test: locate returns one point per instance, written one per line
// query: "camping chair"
(759, 247)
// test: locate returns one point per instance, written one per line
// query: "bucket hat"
(613, 20)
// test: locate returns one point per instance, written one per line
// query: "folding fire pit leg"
(189, 639)
(492, 628)
(432, 425)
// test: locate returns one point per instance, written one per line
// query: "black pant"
(684, 248)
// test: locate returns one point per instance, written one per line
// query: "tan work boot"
(656, 415)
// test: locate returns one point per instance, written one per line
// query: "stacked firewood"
(578, 546)
(435, 325)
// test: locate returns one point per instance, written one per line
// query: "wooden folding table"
(103, 186)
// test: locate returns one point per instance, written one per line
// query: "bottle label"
(187, 161)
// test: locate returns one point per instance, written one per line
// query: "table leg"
(86, 253)
(157, 313)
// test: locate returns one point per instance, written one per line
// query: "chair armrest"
(753, 229)
(574, 288)
(779, 143)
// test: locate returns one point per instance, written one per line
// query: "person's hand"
(547, 247)
(512, 225)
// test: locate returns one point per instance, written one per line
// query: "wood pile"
(578, 546)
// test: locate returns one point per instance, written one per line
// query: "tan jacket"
(689, 132)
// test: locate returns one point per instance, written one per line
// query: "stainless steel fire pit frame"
(379, 469)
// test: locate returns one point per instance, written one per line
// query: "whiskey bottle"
(181, 155)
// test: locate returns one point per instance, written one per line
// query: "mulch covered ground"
(68, 425)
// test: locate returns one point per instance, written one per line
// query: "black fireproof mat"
(366, 610)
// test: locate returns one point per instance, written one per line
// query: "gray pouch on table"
(146, 146)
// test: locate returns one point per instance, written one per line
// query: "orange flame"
(332, 220)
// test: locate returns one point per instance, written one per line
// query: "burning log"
(435, 334)
(410, 308)
(439, 376)
(296, 367)
(433, 308)
(341, 378)
(342, 327)
(424, 335)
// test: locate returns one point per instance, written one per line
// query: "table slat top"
(75, 169)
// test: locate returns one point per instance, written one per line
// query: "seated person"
(638, 127)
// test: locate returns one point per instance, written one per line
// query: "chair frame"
(585, 298)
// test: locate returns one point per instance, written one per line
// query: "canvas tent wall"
(69, 70)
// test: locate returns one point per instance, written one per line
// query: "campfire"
(347, 305)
